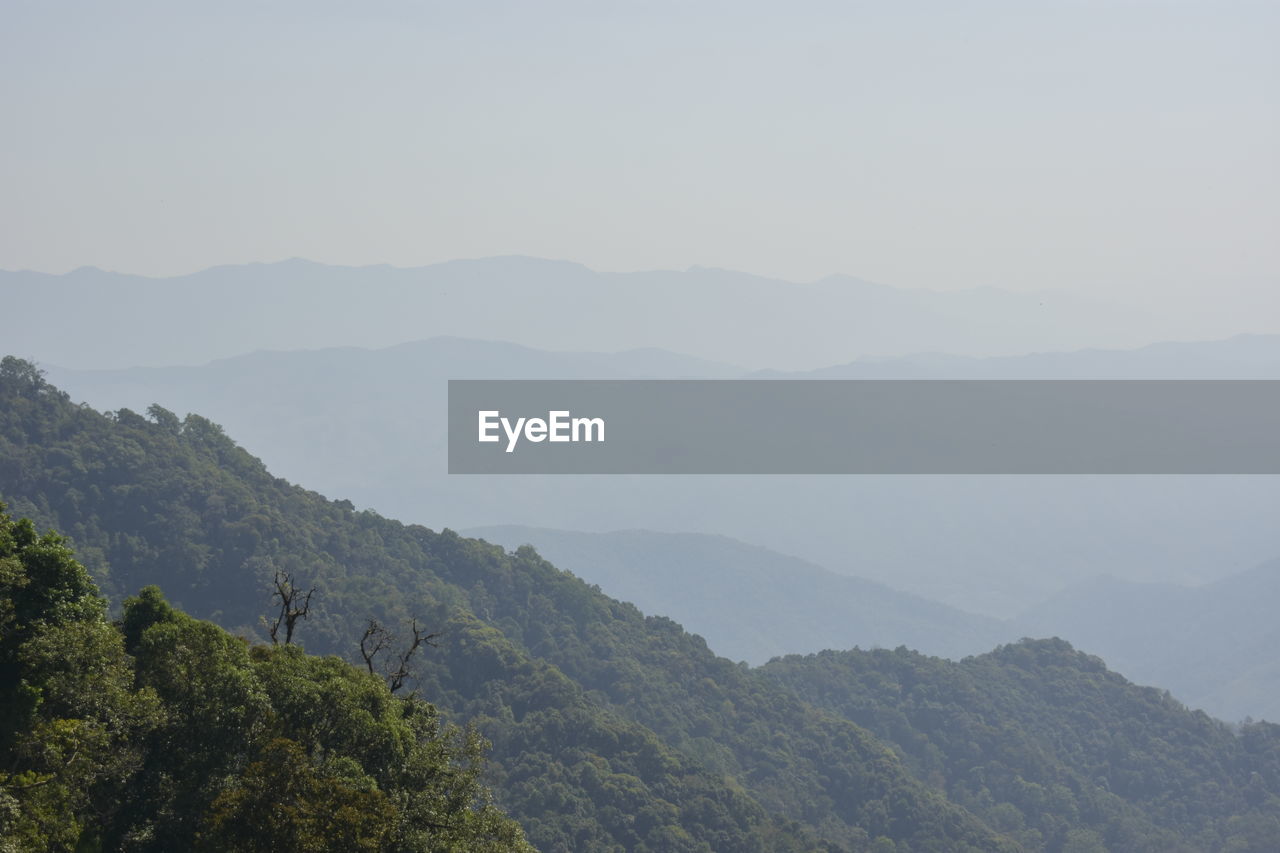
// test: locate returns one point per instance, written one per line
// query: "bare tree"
(294, 605)
(374, 640)
(377, 638)
(395, 680)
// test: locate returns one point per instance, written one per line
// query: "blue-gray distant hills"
(1213, 645)
(751, 603)
(1240, 357)
(114, 320)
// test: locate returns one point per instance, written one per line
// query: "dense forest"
(610, 729)
(163, 732)
(1044, 742)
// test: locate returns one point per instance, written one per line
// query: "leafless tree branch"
(294, 605)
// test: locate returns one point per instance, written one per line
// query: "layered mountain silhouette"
(721, 315)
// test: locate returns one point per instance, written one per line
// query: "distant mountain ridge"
(719, 315)
(1239, 357)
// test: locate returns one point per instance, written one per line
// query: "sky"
(1120, 148)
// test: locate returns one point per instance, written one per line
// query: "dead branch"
(294, 605)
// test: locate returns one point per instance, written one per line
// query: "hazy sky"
(1125, 145)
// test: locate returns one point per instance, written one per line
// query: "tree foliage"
(1049, 746)
(164, 732)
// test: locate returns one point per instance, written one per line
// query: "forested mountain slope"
(1045, 742)
(610, 729)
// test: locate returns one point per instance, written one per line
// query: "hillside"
(751, 603)
(1038, 738)
(595, 744)
(610, 729)
(1210, 645)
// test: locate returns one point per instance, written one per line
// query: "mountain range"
(720, 315)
